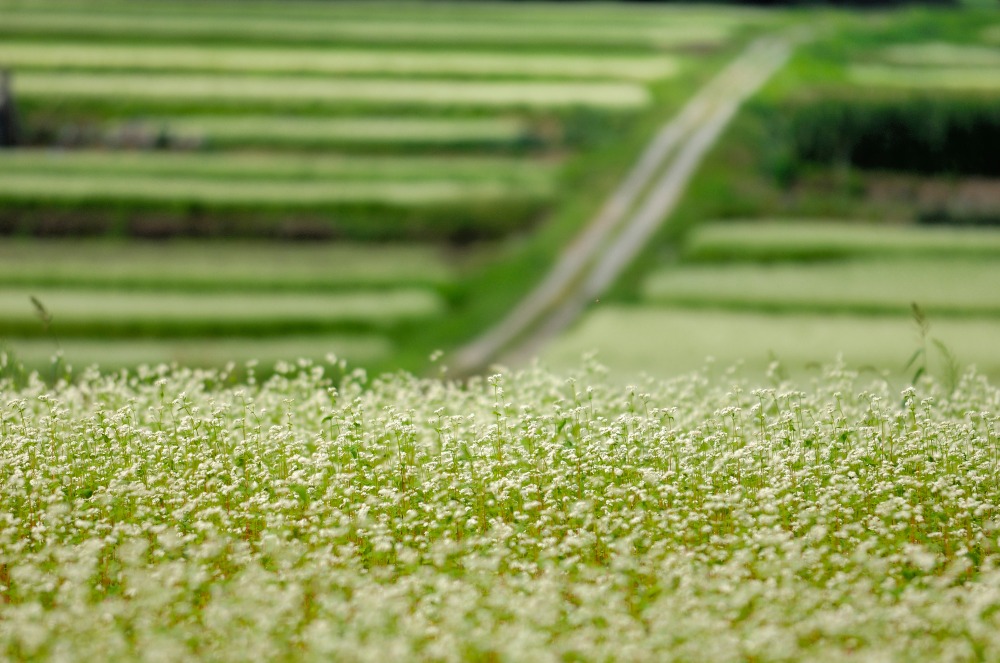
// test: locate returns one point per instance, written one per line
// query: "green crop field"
(227, 266)
(931, 77)
(241, 192)
(122, 313)
(309, 132)
(238, 238)
(279, 167)
(46, 355)
(312, 133)
(58, 55)
(943, 55)
(658, 341)
(763, 240)
(667, 31)
(186, 120)
(943, 286)
(166, 89)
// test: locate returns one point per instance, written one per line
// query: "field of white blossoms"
(172, 514)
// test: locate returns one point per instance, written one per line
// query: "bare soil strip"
(628, 218)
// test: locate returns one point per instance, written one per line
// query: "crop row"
(226, 266)
(764, 240)
(103, 313)
(312, 133)
(667, 341)
(535, 176)
(39, 353)
(940, 77)
(244, 192)
(179, 57)
(294, 90)
(942, 54)
(700, 29)
(879, 285)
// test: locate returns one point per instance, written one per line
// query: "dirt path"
(634, 211)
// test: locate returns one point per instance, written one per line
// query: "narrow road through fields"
(636, 208)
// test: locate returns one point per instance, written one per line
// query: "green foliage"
(224, 266)
(772, 240)
(920, 134)
(659, 340)
(118, 314)
(920, 360)
(883, 285)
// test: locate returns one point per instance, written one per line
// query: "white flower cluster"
(169, 515)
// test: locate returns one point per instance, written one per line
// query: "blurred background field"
(213, 182)
(858, 182)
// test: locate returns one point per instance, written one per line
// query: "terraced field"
(426, 149)
(318, 133)
(751, 293)
(957, 65)
(119, 304)
(68, 56)
(186, 265)
(602, 26)
(905, 99)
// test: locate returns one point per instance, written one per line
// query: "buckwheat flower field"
(173, 514)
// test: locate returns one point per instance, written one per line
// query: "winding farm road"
(631, 215)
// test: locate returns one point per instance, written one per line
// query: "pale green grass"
(105, 187)
(130, 353)
(310, 131)
(57, 55)
(666, 342)
(942, 54)
(783, 240)
(533, 174)
(697, 29)
(178, 88)
(224, 265)
(878, 285)
(76, 308)
(952, 78)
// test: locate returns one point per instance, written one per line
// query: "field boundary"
(590, 264)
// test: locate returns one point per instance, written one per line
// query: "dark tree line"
(8, 113)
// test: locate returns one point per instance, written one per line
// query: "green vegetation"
(60, 55)
(237, 192)
(221, 266)
(290, 91)
(943, 55)
(47, 357)
(942, 286)
(527, 517)
(765, 241)
(310, 132)
(754, 291)
(664, 30)
(104, 313)
(327, 168)
(242, 504)
(667, 341)
(921, 134)
(212, 120)
(737, 275)
(955, 78)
